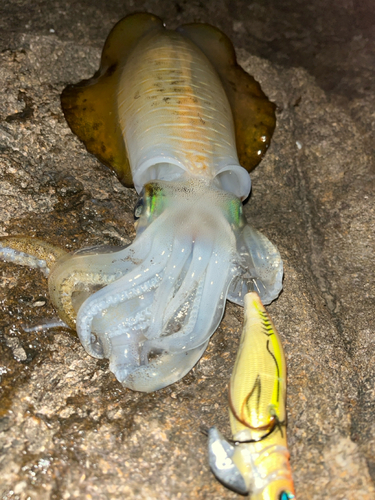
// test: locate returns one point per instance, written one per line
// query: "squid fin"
(90, 106)
(253, 113)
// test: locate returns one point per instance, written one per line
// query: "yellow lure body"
(257, 388)
(258, 463)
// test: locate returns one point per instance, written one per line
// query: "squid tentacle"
(84, 272)
(163, 370)
(172, 343)
(194, 274)
(30, 252)
(180, 254)
(129, 286)
(153, 305)
(209, 311)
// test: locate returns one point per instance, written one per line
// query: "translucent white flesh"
(175, 116)
(151, 308)
(16, 257)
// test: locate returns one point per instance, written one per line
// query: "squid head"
(152, 307)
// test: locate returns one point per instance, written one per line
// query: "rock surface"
(67, 428)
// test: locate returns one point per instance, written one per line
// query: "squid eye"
(235, 212)
(138, 209)
(286, 495)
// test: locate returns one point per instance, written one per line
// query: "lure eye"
(286, 495)
(138, 209)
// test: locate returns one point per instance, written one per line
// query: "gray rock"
(67, 427)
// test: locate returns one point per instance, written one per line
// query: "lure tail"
(257, 461)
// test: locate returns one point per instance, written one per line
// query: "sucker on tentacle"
(174, 114)
(256, 460)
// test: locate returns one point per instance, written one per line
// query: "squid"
(172, 114)
(256, 461)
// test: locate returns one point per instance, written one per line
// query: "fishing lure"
(165, 111)
(258, 460)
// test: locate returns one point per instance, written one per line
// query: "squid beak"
(220, 458)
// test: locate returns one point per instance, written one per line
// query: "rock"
(68, 429)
